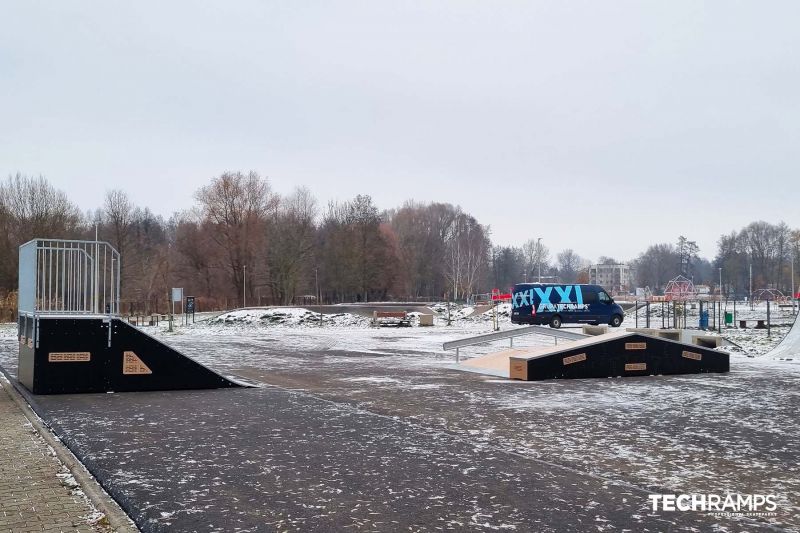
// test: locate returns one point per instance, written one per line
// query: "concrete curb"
(119, 521)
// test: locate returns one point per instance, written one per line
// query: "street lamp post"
(244, 287)
(793, 293)
(539, 256)
(319, 295)
(720, 300)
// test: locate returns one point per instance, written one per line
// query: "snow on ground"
(348, 331)
(694, 433)
(682, 433)
(289, 316)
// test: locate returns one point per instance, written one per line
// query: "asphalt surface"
(315, 449)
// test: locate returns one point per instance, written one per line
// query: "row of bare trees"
(761, 252)
(241, 242)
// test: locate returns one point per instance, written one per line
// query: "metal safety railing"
(511, 334)
(68, 277)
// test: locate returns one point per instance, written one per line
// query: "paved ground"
(382, 437)
(37, 493)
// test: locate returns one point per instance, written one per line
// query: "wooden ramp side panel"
(626, 355)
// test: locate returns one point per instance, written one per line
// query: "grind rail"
(511, 334)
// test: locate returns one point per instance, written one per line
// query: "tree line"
(241, 242)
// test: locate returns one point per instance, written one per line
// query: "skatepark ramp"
(789, 347)
(70, 337)
(616, 355)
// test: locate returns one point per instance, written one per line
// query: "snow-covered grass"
(465, 321)
(289, 316)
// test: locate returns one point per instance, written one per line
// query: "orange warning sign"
(635, 345)
(692, 355)
(632, 367)
(574, 359)
(69, 357)
(132, 365)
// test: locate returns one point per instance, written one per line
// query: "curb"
(119, 521)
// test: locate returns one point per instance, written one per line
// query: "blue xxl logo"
(529, 297)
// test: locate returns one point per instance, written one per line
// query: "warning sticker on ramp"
(635, 345)
(631, 367)
(132, 365)
(574, 359)
(69, 357)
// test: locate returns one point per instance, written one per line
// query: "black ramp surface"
(625, 355)
(126, 360)
(170, 368)
(270, 459)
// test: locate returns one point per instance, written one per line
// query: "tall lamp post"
(793, 293)
(720, 300)
(319, 295)
(539, 256)
(244, 287)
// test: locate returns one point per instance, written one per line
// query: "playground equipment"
(680, 289)
(71, 339)
(769, 295)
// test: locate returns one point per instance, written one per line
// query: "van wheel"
(616, 321)
(555, 322)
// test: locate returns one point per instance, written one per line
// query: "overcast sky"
(602, 126)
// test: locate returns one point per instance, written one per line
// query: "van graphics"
(569, 298)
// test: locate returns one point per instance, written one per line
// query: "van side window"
(604, 298)
(589, 297)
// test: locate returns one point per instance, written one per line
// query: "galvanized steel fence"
(68, 277)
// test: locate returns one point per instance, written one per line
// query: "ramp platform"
(616, 355)
(70, 337)
(101, 354)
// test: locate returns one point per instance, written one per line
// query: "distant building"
(616, 278)
(549, 279)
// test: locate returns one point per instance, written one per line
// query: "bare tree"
(355, 255)
(569, 264)
(118, 215)
(467, 249)
(29, 208)
(537, 257)
(236, 206)
(291, 246)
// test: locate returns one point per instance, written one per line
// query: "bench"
(390, 318)
(760, 324)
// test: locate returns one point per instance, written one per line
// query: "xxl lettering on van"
(544, 296)
(522, 299)
(564, 293)
(544, 299)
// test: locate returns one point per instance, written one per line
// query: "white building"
(615, 278)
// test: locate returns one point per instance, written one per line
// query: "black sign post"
(190, 308)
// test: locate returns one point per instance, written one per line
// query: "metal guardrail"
(511, 334)
(68, 277)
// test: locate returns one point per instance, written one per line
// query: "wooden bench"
(390, 318)
(760, 324)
